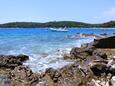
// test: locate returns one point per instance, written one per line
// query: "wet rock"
(22, 57)
(66, 56)
(81, 35)
(113, 33)
(11, 61)
(108, 42)
(104, 34)
(23, 76)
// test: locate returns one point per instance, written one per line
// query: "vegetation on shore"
(69, 24)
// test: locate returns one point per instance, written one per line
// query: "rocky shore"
(94, 65)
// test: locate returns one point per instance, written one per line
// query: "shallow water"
(44, 47)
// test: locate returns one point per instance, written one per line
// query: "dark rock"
(113, 33)
(11, 61)
(22, 57)
(23, 76)
(108, 42)
(98, 67)
(104, 34)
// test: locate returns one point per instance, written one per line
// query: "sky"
(89, 11)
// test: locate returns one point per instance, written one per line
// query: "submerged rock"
(104, 34)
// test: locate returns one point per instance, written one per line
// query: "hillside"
(69, 24)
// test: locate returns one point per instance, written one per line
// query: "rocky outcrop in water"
(91, 67)
(7, 64)
(107, 42)
(11, 61)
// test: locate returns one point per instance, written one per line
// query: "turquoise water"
(44, 47)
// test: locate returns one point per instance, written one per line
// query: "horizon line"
(53, 21)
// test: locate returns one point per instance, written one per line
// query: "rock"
(81, 35)
(23, 76)
(99, 53)
(98, 67)
(113, 81)
(4, 81)
(22, 57)
(104, 34)
(11, 61)
(66, 56)
(78, 53)
(111, 65)
(73, 75)
(70, 75)
(107, 42)
(54, 74)
(82, 53)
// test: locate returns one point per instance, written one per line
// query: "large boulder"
(83, 52)
(79, 53)
(108, 42)
(98, 67)
(11, 61)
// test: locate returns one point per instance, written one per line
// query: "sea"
(44, 47)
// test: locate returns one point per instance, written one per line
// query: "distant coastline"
(57, 24)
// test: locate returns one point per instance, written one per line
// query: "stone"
(78, 53)
(98, 67)
(23, 76)
(107, 42)
(54, 74)
(99, 53)
(11, 61)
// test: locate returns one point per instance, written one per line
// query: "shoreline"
(87, 59)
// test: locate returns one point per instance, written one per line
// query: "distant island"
(68, 24)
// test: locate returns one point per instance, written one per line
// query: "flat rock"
(107, 42)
